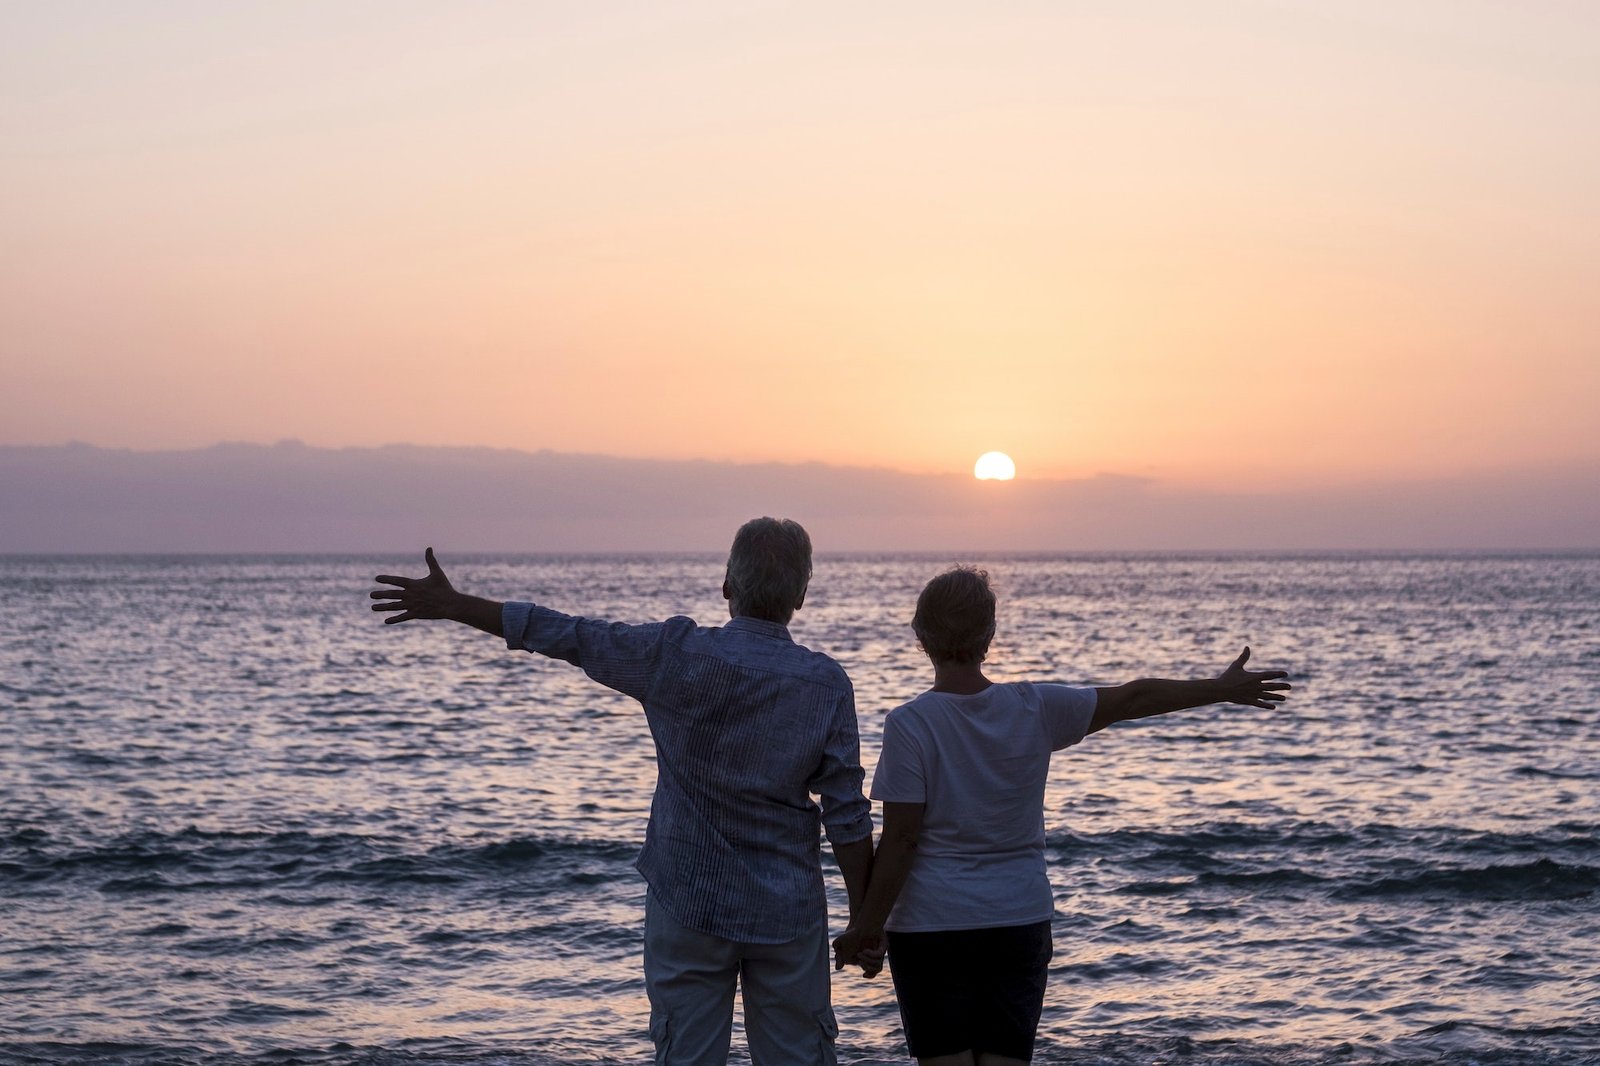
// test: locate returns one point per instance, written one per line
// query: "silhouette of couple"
(749, 725)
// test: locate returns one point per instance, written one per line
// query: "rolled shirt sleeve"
(846, 812)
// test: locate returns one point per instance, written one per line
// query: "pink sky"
(1229, 245)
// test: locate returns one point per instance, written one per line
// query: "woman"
(959, 881)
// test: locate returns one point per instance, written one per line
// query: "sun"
(994, 466)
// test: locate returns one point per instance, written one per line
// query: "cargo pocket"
(660, 1031)
(827, 1036)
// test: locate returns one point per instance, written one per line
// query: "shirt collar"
(760, 627)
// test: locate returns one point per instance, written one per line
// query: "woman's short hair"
(769, 568)
(955, 616)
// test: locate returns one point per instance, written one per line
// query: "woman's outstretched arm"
(1151, 696)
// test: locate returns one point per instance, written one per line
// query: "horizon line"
(852, 553)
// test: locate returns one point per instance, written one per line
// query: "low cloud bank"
(293, 498)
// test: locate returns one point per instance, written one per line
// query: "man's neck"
(759, 621)
(735, 613)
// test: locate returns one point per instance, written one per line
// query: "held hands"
(1252, 688)
(416, 597)
(852, 947)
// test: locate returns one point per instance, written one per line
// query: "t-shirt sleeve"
(899, 777)
(1067, 713)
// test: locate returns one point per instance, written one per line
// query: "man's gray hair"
(769, 568)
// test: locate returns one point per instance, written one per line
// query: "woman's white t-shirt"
(978, 763)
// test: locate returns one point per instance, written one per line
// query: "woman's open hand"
(1252, 688)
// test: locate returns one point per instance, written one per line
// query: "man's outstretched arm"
(1152, 696)
(434, 597)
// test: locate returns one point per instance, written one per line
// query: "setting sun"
(994, 466)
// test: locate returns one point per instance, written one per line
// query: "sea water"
(243, 821)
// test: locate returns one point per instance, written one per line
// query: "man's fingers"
(433, 564)
(408, 616)
(389, 594)
(1244, 657)
(398, 582)
(389, 607)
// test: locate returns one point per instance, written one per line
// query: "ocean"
(242, 821)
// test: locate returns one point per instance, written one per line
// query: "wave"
(1372, 861)
(194, 859)
(1541, 880)
(1314, 836)
(1342, 862)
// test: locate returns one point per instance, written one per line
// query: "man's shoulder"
(836, 674)
(786, 657)
(821, 667)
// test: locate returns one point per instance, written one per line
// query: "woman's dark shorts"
(971, 989)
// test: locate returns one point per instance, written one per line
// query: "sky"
(1233, 246)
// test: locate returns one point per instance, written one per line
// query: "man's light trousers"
(690, 977)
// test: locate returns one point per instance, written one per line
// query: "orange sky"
(1233, 244)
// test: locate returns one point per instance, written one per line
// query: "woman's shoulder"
(927, 712)
(916, 707)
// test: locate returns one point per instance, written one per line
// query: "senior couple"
(749, 725)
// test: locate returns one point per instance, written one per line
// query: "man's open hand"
(417, 597)
(1252, 688)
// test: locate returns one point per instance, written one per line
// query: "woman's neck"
(961, 679)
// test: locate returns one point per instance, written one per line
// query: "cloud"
(291, 497)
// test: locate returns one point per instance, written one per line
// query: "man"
(747, 725)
